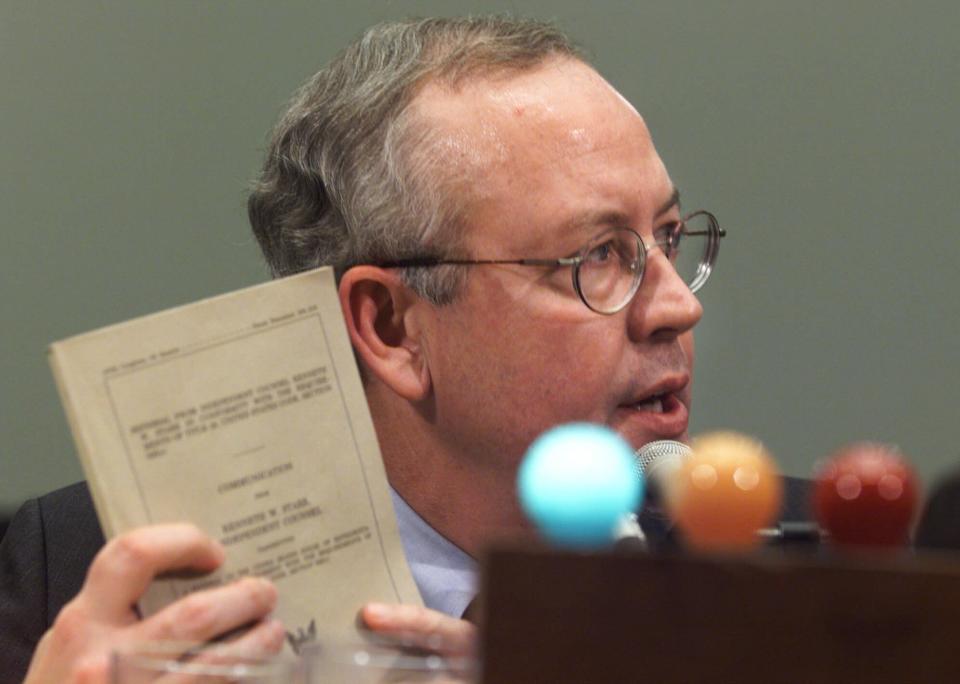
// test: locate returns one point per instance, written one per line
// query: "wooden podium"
(550, 616)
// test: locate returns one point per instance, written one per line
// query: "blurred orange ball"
(727, 490)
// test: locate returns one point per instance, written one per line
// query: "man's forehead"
(533, 153)
(488, 119)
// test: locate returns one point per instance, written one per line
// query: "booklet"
(245, 415)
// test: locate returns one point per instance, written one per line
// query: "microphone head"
(655, 463)
(651, 456)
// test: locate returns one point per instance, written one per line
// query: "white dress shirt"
(445, 575)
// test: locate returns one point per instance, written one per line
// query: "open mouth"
(652, 404)
(667, 402)
(659, 416)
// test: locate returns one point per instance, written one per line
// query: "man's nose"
(664, 307)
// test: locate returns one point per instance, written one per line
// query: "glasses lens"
(696, 249)
(610, 270)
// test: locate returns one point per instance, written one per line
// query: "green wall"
(823, 134)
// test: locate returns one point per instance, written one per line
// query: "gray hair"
(352, 176)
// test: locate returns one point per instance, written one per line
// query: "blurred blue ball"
(576, 483)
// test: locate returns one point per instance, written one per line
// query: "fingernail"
(377, 611)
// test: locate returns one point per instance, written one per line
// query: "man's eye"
(668, 237)
(601, 253)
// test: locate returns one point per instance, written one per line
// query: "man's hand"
(422, 627)
(102, 617)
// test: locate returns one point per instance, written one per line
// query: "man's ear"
(379, 311)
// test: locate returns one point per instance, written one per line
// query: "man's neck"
(469, 500)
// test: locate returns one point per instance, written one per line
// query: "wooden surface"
(548, 616)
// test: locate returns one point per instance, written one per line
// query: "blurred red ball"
(866, 495)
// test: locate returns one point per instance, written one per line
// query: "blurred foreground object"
(866, 496)
(202, 664)
(939, 527)
(374, 658)
(577, 482)
(727, 490)
(559, 616)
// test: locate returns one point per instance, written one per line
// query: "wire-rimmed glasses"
(608, 270)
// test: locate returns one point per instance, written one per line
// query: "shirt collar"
(445, 575)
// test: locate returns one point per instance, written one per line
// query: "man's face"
(552, 158)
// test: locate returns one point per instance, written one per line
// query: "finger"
(207, 614)
(252, 650)
(422, 627)
(124, 568)
(265, 639)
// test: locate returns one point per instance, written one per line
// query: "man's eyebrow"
(670, 203)
(590, 219)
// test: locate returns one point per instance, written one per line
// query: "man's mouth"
(653, 404)
(659, 415)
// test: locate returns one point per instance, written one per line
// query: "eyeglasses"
(608, 270)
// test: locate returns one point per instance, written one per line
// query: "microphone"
(657, 464)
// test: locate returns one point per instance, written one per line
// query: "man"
(425, 143)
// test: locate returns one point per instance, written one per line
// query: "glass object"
(201, 664)
(608, 270)
(374, 659)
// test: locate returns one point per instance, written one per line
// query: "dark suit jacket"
(52, 541)
(43, 561)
